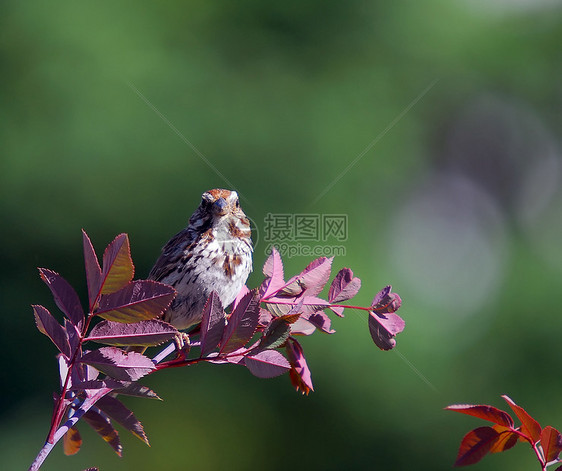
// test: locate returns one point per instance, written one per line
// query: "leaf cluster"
(546, 442)
(260, 333)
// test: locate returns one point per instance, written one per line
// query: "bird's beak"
(219, 207)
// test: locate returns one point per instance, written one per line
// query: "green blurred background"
(453, 111)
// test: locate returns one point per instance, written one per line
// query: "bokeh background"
(450, 114)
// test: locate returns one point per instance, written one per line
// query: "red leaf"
(93, 270)
(242, 323)
(273, 270)
(267, 364)
(65, 297)
(144, 333)
(137, 301)
(212, 324)
(383, 329)
(102, 425)
(507, 439)
(72, 441)
(344, 286)
(551, 442)
(529, 426)
(120, 365)
(485, 412)
(475, 445)
(300, 373)
(115, 409)
(48, 326)
(118, 269)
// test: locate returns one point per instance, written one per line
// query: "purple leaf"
(312, 279)
(93, 270)
(137, 301)
(344, 287)
(242, 323)
(277, 332)
(73, 335)
(384, 327)
(212, 324)
(63, 368)
(300, 373)
(385, 301)
(65, 297)
(118, 269)
(136, 390)
(144, 333)
(302, 327)
(96, 384)
(243, 292)
(321, 321)
(102, 425)
(336, 310)
(118, 364)
(307, 304)
(273, 271)
(267, 364)
(48, 326)
(115, 409)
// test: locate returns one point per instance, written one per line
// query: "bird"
(213, 253)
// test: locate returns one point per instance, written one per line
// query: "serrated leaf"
(485, 412)
(144, 333)
(136, 390)
(118, 269)
(273, 270)
(344, 286)
(300, 373)
(65, 297)
(551, 442)
(475, 445)
(276, 334)
(72, 441)
(120, 365)
(212, 324)
(242, 323)
(243, 292)
(96, 384)
(321, 321)
(267, 364)
(47, 325)
(102, 425)
(137, 301)
(312, 279)
(116, 410)
(73, 335)
(383, 329)
(93, 270)
(302, 327)
(529, 426)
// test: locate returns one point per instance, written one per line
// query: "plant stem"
(49, 445)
